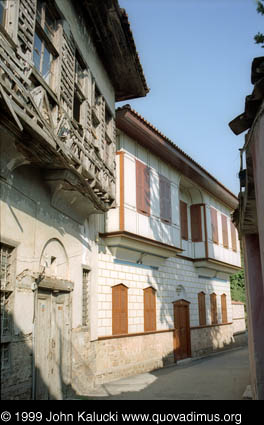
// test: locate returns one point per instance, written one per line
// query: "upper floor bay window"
(184, 220)
(224, 230)
(214, 223)
(44, 52)
(196, 223)
(165, 199)
(143, 188)
(233, 237)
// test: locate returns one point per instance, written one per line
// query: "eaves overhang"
(135, 126)
(113, 38)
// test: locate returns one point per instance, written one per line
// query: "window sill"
(147, 214)
(41, 81)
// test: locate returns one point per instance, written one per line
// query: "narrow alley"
(222, 376)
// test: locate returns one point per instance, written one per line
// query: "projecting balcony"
(49, 138)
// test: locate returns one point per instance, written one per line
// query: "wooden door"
(53, 345)
(181, 340)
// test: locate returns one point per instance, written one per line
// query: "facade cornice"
(114, 40)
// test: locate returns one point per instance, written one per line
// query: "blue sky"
(196, 56)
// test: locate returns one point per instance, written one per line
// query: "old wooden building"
(63, 64)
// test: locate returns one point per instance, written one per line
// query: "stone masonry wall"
(16, 382)
(208, 339)
(239, 323)
(165, 279)
(120, 357)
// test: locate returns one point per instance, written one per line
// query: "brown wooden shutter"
(214, 225)
(233, 237)
(143, 188)
(224, 230)
(196, 223)
(202, 309)
(213, 309)
(119, 310)
(165, 199)
(184, 220)
(223, 308)
(149, 309)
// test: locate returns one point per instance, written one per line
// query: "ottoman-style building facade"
(116, 247)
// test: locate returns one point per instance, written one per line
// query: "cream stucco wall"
(181, 189)
(164, 279)
(30, 223)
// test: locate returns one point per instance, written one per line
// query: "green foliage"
(260, 7)
(259, 37)
(237, 286)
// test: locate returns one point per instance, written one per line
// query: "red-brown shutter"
(143, 188)
(233, 237)
(119, 310)
(202, 309)
(149, 309)
(223, 308)
(196, 223)
(165, 199)
(213, 309)
(224, 230)
(184, 220)
(214, 225)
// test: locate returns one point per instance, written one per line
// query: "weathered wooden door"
(52, 344)
(181, 339)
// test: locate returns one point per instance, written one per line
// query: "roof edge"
(133, 124)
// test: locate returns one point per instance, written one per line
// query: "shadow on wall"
(20, 380)
(34, 200)
(203, 379)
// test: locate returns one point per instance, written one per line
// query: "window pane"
(47, 58)
(37, 52)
